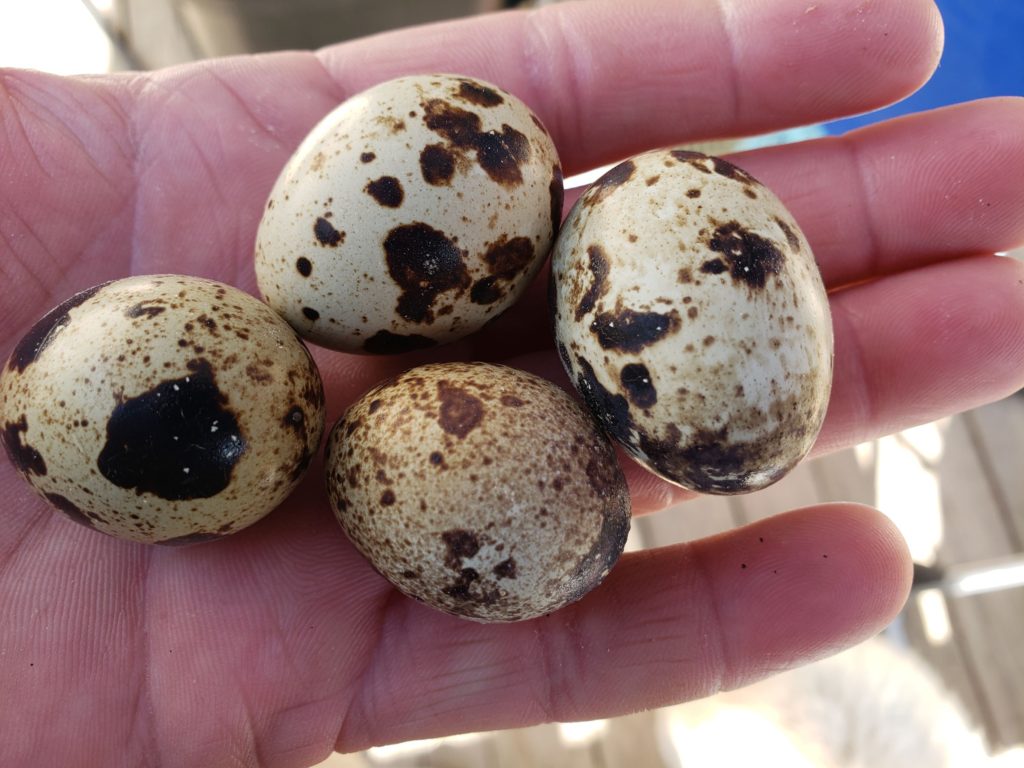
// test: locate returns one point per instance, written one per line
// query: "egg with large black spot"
(411, 215)
(690, 314)
(162, 409)
(478, 489)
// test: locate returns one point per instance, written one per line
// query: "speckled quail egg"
(162, 409)
(410, 216)
(481, 490)
(691, 316)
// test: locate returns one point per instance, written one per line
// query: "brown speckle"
(479, 94)
(751, 258)
(42, 333)
(310, 314)
(460, 411)
(499, 153)
(608, 183)
(505, 260)
(259, 374)
(506, 569)
(424, 263)
(367, 157)
(387, 498)
(147, 309)
(141, 453)
(437, 164)
(459, 544)
(72, 510)
(599, 285)
(636, 381)
(791, 237)
(612, 410)
(304, 266)
(387, 191)
(326, 234)
(295, 420)
(26, 458)
(556, 190)
(631, 331)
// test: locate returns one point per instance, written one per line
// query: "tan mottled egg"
(690, 314)
(481, 490)
(410, 216)
(162, 409)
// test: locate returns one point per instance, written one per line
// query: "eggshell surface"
(410, 216)
(690, 314)
(481, 490)
(162, 409)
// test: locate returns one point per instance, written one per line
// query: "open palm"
(276, 645)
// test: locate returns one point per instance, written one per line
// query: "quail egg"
(162, 409)
(481, 490)
(411, 215)
(691, 316)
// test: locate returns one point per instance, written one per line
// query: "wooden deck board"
(944, 653)
(989, 628)
(997, 431)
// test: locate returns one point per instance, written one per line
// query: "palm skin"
(280, 643)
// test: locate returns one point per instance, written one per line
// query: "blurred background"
(944, 685)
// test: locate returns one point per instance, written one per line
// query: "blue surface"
(983, 56)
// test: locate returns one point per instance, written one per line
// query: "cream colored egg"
(478, 489)
(411, 215)
(691, 316)
(162, 409)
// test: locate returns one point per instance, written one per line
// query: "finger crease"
(864, 407)
(355, 718)
(550, 56)
(719, 664)
(725, 23)
(870, 227)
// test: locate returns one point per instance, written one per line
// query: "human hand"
(280, 643)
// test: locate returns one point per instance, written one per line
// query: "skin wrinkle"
(27, 264)
(263, 127)
(356, 718)
(719, 662)
(25, 534)
(145, 710)
(62, 126)
(862, 395)
(851, 145)
(338, 93)
(137, 87)
(6, 77)
(550, 54)
(724, 10)
(252, 741)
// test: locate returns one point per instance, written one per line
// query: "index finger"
(610, 78)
